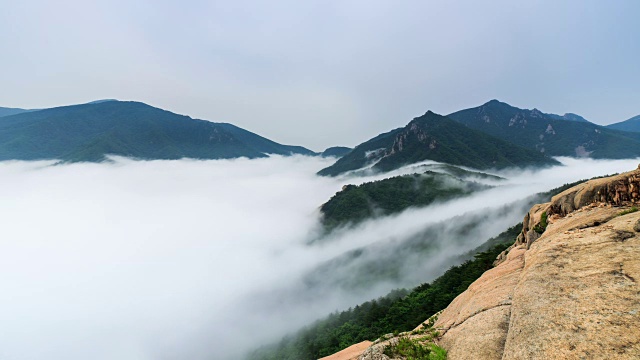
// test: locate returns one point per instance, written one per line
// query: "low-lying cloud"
(209, 259)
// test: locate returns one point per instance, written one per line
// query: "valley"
(375, 238)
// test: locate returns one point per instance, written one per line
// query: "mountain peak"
(429, 115)
(494, 102)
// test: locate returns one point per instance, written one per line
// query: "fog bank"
(208, 259)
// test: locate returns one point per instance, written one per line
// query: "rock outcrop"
(568, 288)
(350, 353)
(618, 190)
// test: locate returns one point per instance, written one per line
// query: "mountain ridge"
(568, 117)
(538, 131)
(5, 111)
(632, 124)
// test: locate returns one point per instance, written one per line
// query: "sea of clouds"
(196, 259)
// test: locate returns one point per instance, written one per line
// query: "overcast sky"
(322, 73)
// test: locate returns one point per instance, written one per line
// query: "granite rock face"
(618, 190)
(567, 289)
(486, 304)
(350, 353)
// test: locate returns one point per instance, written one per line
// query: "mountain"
(548, 134)
(89, 132)
(632, 125)
(355, 203)
(11, 111)
(336, 151)
(435, 137)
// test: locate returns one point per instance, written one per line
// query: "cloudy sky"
(321, 73)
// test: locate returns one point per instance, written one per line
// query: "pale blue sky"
(321, 73)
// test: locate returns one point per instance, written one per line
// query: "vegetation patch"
(427, 327)
(628, 211)
(413, 349)
(542, 225)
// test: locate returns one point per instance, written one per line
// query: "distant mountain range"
(549, 133)
(90, 132)
(493, 135)
(436, 137)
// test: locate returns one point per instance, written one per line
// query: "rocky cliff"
(567, 289)
(350, 353)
